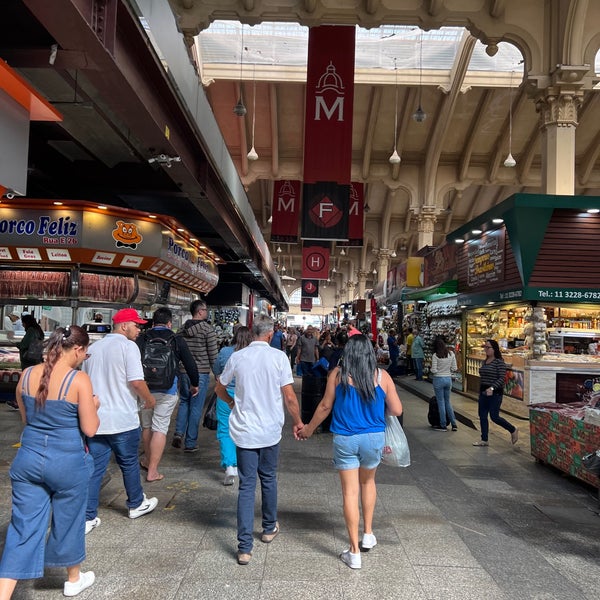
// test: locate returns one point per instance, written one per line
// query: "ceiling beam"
(474, 133)
(374, 105)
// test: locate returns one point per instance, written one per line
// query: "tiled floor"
(460, 523)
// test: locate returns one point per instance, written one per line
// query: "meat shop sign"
(61, 231)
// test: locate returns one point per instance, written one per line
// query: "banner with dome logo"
(328, 132)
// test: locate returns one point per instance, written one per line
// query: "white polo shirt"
(114, 361)
(258, 415)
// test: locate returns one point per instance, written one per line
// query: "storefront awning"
(434, 292)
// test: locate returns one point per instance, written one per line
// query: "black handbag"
(210, 414)
(591, 462)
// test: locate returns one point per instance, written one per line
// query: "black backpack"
(159, 361)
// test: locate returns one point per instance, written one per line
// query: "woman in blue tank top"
(51, 470)
(359, 395)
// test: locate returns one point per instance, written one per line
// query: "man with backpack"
(162, 351)
(201, 339)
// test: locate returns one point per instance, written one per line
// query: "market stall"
(67, 264)
(517, 285)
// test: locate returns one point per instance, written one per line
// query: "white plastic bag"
(395, 452)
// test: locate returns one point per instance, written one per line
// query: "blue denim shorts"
(361, 450)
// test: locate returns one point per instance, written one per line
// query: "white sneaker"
(147, 506)
(89, 525)
(368, 541)
(85, 581)
(354, 561)
(230, 475)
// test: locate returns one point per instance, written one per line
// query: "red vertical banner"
(315, 262)
(356, 214)
(305, 304)
(374, 318)
(285, 211)
(329, 104)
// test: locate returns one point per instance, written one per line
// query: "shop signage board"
(564, 294)
(485, 259)
(110, 239)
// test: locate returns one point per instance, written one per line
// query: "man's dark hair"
(196, 305)
(162, 316)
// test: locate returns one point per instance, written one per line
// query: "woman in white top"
(443, 363)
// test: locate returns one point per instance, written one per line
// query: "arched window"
(296, 295)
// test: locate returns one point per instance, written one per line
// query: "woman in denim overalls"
(52, 467)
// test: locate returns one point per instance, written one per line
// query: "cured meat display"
(35, 284)
(106, 288)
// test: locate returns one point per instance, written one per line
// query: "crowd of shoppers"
(89, 402)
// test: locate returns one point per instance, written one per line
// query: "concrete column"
(362, 280)
(425, 226)
(350, 286)
(558, 116)
(383, 263)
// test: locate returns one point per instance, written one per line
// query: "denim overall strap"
(25, 382)
(66, 384)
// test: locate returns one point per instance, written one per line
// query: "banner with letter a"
(328, 132)
(285, 211)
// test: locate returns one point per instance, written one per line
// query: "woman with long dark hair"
(491, 385)
(443, 364)
(51, 470)
(360, 395)
(242, 337)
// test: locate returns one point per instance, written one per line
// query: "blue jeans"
(190, 409)
(442, 387)
(251, 461)
(490, 405)
(125, 446)
(306, 367)
(418, 364)
(228, 453)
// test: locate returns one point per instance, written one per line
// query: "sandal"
(480, 443)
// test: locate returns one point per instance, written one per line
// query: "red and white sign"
(315, 262)
(58, 255)
(329, 104)
(285, 211)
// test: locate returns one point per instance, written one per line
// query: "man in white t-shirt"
(263, 376)
(115, 368)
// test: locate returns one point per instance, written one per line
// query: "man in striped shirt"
(202, 341)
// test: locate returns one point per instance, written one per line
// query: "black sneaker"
(12, 404)
(190, 450)
(177, 441)
(440, 428)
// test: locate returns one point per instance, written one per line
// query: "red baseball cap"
(126, 315)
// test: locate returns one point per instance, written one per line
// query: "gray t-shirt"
(306, 348)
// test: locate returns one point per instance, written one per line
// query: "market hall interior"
(131, 179)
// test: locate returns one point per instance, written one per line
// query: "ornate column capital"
(382, 254)
(426, 219)
(362, 276)
(559, 107)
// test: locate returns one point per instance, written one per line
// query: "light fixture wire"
(395, 157)
(510, 162)
(420, 115)
(253, 155)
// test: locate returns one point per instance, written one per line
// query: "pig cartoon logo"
(126, 235)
